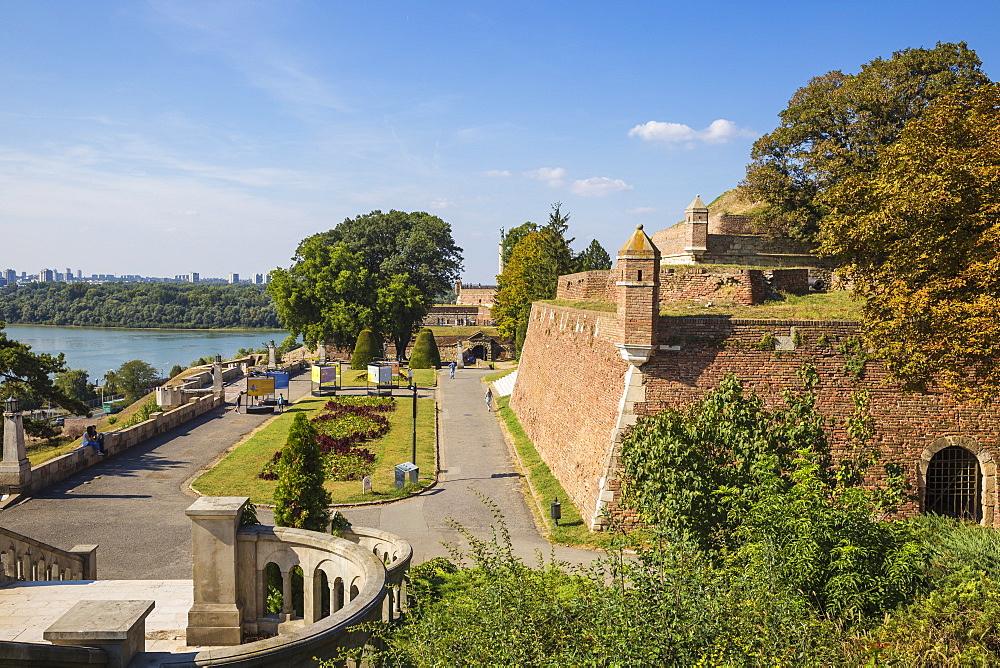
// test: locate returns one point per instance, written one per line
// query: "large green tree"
(921, 239)
(135, 377)
(379, 270)
(834, 127)
(523, 281)
(75, 383)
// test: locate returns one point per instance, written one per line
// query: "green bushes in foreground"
(777, 557)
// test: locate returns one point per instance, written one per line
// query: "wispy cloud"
(496, 173)
(551, 176)
(719, 131)
(439, 203)
(598, 186)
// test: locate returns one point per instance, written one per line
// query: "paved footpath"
(474, 458)
(132, 505)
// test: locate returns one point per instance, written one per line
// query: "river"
(96, 350)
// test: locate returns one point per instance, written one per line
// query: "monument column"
(216, 616)
(15, 469)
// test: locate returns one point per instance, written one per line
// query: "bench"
(117, 627)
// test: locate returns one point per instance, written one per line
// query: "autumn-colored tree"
(921, 239)
(834, 127)
(300, 500)
(523, 281)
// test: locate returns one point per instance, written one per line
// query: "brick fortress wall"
(570, 384)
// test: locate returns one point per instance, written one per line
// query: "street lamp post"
(413, 449)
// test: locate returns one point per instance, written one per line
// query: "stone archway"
(947, 451)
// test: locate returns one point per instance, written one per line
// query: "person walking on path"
(281, 403)
(489, 399)
(239, 400)
(451, 368)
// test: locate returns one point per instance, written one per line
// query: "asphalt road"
(132, 505)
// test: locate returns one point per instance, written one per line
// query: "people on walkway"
(489, 399)
(452, 367)
(281, 403)
(91, 438)
(239, 400)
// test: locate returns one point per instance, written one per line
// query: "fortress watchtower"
(638, 284)
(696, 228)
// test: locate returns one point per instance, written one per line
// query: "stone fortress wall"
(586, 376)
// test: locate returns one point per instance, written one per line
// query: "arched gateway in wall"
(957, 478)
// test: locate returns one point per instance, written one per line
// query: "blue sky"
(163, 137)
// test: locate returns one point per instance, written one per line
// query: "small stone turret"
(638, 284)
(696, 222)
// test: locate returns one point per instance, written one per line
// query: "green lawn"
(236, 474)
(545, 487)
(833, 305)
(43, 451)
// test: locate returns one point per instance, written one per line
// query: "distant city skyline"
(11, 275)
(163, 136)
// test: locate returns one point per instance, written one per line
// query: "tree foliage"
(593, 258)
(138, 305)
(300, 500)
(380, 271)
(28, 376)
(834, 127)
(425, 351)
(920, 236)
(523, 281)
(758, 487)
(134, 378)
(75, 383)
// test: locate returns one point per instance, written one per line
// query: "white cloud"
(719, 131)
(440, 203)
(641, 209)
(598, 186)
(551, 176)
(496, 172)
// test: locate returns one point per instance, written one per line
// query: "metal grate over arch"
(953, 485)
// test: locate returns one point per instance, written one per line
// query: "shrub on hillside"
(366, 350)
(425, 353)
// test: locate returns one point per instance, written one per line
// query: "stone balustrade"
(329, 585)
(24, 558)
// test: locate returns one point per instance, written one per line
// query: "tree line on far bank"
(138, 305)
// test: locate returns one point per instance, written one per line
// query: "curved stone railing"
(361, 588)
(24, 558)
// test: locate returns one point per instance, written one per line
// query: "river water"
(96, 350)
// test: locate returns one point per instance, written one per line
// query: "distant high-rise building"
(194, 276)
(46, 276)
(79, 274)
(234, 278)
(69, 275)
(259, 279)
(10, 276)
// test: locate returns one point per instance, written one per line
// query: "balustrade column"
(286, 594)
(311, 600)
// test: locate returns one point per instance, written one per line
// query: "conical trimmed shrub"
(425, 353)
(366, 350)
(300, 501)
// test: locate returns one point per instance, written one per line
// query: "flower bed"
(345, 423)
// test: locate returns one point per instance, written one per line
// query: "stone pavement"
(132, 505)
(28, 608)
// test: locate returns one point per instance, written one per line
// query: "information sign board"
(260, 386)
